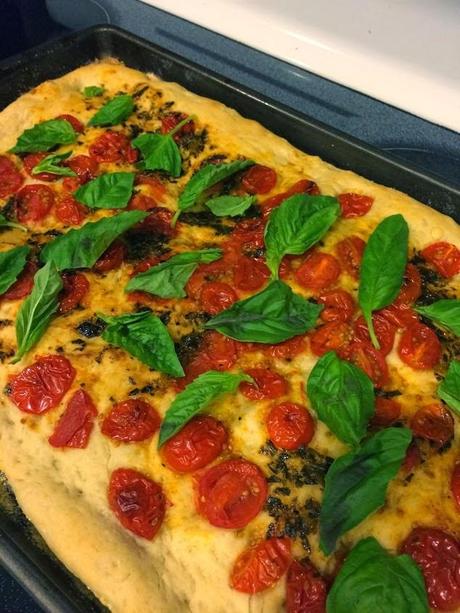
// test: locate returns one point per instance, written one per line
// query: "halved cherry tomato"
(445, 258)
(217, 352)
(76, 423)
(433, 422)
(248, 235)
(216, 297)
(437, 553)
(171, 120)
(33, 159)
(141, 202)
(112, 258)
(455, 485)
(287, 349)
(156, 187)
(76, 286)
(419, 347)
(159, 221)
(250, 274)
(199, 442)
(113, 147)
(387, 411)
(318, 271)
(304, 186)
(350, 252)
(267, 384)
(131, 420)
(69, 211)
(33, 202)
(290, 425)
(23, 285)
(10, 177)
(74, 122)
(215, 271)
(137, 501)
(306, 589)
(231, 494)
(339, 305)
(333, 336)
(371, 360)
(354, 205)
(41, 386)
(261, 566)
(399, 315)
(412, 458)
(384, 331)
(84, 166)
(412, 286)
(259, 179)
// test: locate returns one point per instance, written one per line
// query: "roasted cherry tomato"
(306, 589)
(216, 297)
(231, 494)
(171, 120)
(387, 411)
(369, 359)
(412, 286)
(216, 352)
(84, 166)
(74, 122)
(287, 349)
(131, 420)
(437, 553)
(290, 425)
(350, 252)
(419, 347)
(333, 336)
(338, 304)
(445, 258)
(384, 331)
(267, 384)
(10, 177)
(23, 285)
(76, 423)
(76, 286)
(113, 147)
(199, 442)
(248, 236)
(399, 315)
(33, 202)
(412, 458)
(318, 271)
(33, 159)
(41, 386)
(354, 205)
(155, 186)
(159, 221)
(259, 179)
(250, 274)
(137, 501)
(69, 211)
(112, 258)
(304, 186)
(455, 485)
(141, 202)
(261, 566)
(71, 184)
(433, 422)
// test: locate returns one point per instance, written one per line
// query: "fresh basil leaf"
(93, 90)
(12, 263)
(6, 223)
(37, 310)
(296, 225)
(45, 135)
(382, 268)
(273, 315)
(51, 164)
(110, 191)
(444, 313)
(342, 396)
(168, 279)
(82, 247)
(160, 152)
(357, 482)
(205, 178)
(113, 112)
(195, 398)
(230, 206)
(371, 579)
(449, 388)
(145, 337)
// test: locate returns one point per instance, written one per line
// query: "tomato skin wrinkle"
(76, 423)
(112, 146)
(76, 287)
(131, 420)
(261, 566)
(267, 384)
(434, 423)
(338, 304)
(216, 297)
(306, 589)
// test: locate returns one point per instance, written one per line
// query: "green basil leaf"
(296, 225)
(110, 191)
(357, 482)
(51, 164)
(37, 310)
(93, 90)
(6, 223)
(342, 396)
(195, 398)
(168, 279)
(12, 263)
(82, 247)
(205, 178)
(382, 268)
(44, 136)
(444, 313)
(230, 206)
(145, 337)
(371, 579)
(160, 152)
(449, 388)
(113, 112)
(273, 315)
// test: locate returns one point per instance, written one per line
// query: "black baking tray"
(21, 550)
